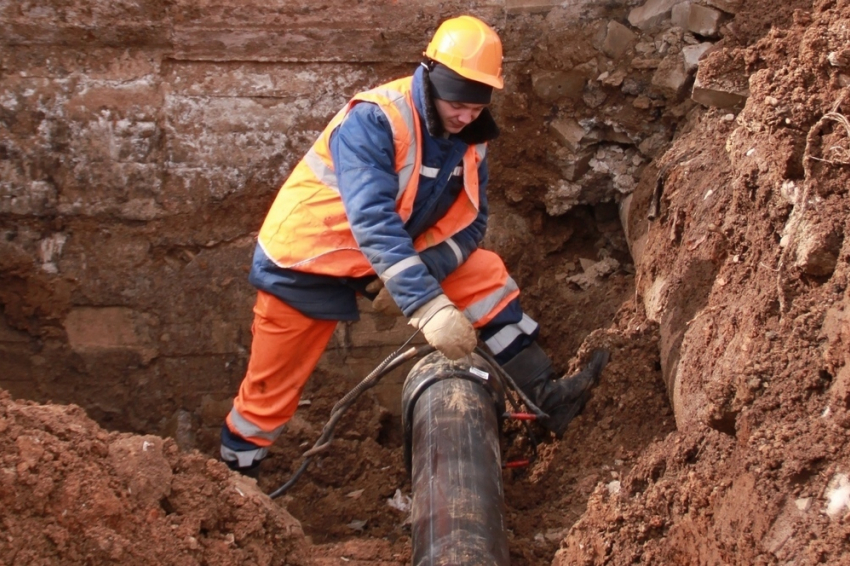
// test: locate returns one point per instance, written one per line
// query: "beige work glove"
(445, 327)
(383, 302)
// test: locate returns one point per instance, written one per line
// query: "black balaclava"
(483, 129)
(451, 87)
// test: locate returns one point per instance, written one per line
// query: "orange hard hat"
(470, 48)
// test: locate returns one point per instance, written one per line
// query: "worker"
(390, 203)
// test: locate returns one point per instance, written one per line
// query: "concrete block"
(651, 14)
(569, 133)
(718, 93)
(693, 53)
(704, 21)
(618, 40)
(552, 85)
(670, 76)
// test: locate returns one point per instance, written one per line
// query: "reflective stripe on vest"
(306, 227)
(431, 172)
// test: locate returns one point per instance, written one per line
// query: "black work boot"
(562, 399)
(241, 455)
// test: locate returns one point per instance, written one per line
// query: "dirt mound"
(76, 494)
(746, 268)
(72, 493)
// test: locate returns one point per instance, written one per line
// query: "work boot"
(562, 399)
(241, 455)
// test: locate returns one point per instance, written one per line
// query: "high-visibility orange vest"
(306, 228)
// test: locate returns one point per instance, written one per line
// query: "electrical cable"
(389, 363)
(508, 383)
(324, 441)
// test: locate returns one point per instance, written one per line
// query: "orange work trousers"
(287, 345)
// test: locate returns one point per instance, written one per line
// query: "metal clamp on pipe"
(450, 414)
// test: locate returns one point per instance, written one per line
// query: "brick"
(294, 45)
(299, 13)
(111, 101)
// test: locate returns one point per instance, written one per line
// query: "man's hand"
(445, 327)
(383, 302)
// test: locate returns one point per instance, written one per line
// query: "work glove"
(445, 327)
(383, 302)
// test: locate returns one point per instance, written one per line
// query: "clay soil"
(624, 485)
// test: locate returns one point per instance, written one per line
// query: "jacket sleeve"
(364, 154)
(447, 256)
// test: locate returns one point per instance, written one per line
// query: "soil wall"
(745, 268)
(671, 183)
(142, 143)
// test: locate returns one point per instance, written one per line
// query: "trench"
(351, 492)
(129, 223)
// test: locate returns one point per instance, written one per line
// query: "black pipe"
(451, 420)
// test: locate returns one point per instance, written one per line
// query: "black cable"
(324, 441)
(509, 384)
(507, 379)
(388, 364)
